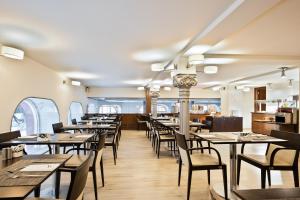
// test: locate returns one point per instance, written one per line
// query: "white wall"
(134, 93)
(27, 78)
(238, 103)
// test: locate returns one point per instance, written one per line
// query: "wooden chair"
(57, 129)
(163, 135)
(280, 156)
(97, 147)
(113, 141)
(79, 176)
(8, 136)
(74, 122)
(199, 162)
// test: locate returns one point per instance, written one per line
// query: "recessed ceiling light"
(196, 59)
(246, 89)
(76, 83)
(140, 88)
(157, 67)
(216, 88)
(211, 61)
(138, 82)
(11, 52)
(167, 88)
(210, 69)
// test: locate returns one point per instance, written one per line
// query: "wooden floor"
(140, 175)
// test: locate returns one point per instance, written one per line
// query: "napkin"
(40, 167)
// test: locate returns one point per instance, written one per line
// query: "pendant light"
(283, 69)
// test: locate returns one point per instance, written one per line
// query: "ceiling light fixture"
(246, 89)
(210, 69)
(76, 83)
(167, 88)
(11, 52)
(196, 59)
(216, 88)
(157, 67)
(140, 88)
(283, 69)
(290, 83)
(269, 86)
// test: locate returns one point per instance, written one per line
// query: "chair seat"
(203, 159)
(263, 160)
(167, 137)
(76, 160)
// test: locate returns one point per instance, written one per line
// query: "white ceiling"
(100, 41)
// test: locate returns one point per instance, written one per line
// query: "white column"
(154, 97)
(184, 82)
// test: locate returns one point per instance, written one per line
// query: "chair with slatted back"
(74, 122)
(79, 177)
(97, 147)
(113, 142)
(280, 156)
(57, 129)
(198, 161)
(8, 136)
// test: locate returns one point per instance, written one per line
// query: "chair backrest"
(293, 142)
(78, 180)
(99, 147)
(8, 136)
(74, 121)
(183, 148)
(57, 127)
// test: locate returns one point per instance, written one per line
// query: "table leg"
(57, 149)
(232, 166)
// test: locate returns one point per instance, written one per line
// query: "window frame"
(69, 111)
(34, 97)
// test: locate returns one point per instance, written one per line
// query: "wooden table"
(57, 140)
(176, 125)
(20, 192)
(233, 138)
(272, 193)
(104, 121)
(94, 127)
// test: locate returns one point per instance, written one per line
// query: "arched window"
(162, 108)
(75, 112)
(105, 109)
(35, 115)
(91, 108)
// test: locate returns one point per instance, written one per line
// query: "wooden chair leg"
(263, 178)
(158, 149)
(225, 181)
(208, 143)
(102, 171)
(37, 191)
(95, 184)
(208, 176)
(296, 176)
(189, 183)
(269, 176)
(114, 153)
(238, 171)
(179, 170)
(50, 149)
(57, 184)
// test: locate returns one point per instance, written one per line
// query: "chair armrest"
(275, 151)
(82, 149)
(242, 148)
(210, 148)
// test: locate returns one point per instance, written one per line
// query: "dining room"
(195, 99)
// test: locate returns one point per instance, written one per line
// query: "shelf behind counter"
(263, 123)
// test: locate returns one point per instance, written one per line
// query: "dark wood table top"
(89, 127)
(234, 138)
(174, 124)
(21, 192)
(272, 193)
(58, 138)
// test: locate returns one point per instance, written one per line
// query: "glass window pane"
(75, 112)
(118, 105)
